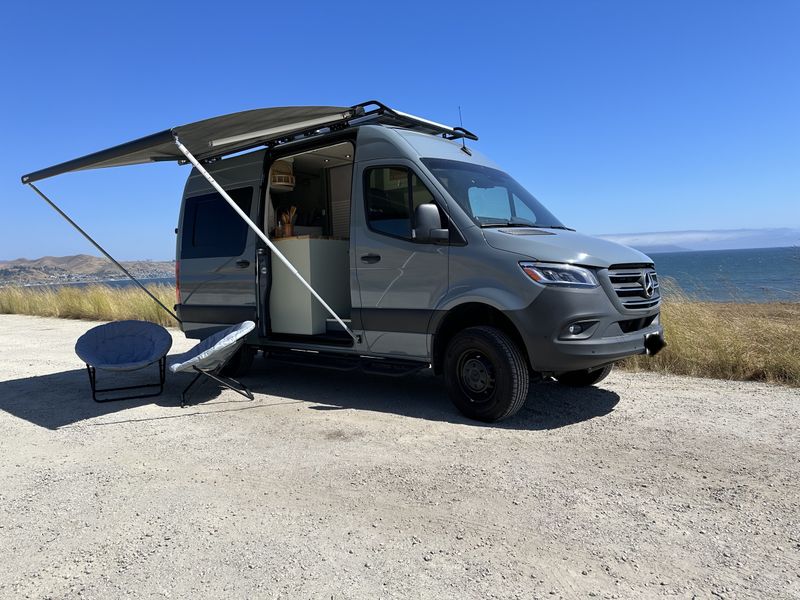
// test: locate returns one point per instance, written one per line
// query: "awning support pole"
(100, 248)
(262, 235)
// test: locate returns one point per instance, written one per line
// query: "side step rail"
(339, 362)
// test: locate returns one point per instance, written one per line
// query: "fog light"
(578, 330)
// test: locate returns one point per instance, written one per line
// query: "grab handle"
(371, 259)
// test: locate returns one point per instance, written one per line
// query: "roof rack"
(374, 111)
(365, 113)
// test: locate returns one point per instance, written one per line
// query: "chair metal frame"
(162, 373)
(227, 382)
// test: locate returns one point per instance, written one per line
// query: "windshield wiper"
(522, 224)
(512, 222)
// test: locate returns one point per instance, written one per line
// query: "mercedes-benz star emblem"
(647, 285)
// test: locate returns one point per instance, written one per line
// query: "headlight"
(559, 274)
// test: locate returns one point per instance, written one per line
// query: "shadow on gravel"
(423, 396)
(61, 399)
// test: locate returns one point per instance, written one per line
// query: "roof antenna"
(463, 138)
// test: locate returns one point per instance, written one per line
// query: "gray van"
(430, 253)
(366, 238)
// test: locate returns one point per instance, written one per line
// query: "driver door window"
(392, 196)
(389, 201)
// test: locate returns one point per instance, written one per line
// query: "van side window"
(393, 193)
(212, 228)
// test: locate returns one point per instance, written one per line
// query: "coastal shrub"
(94, 302)
(741, 341)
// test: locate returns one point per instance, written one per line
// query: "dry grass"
(706, 339)
(95, 302)
(751, 342)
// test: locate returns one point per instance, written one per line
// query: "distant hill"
(78, 268)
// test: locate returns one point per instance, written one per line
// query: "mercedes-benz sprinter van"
(432, 255)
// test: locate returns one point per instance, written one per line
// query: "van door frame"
(275, 152)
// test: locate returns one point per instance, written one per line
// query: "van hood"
(559, 245)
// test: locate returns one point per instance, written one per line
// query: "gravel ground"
(337, 485)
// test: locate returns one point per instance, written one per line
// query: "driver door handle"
(242, 263)
(371, 259)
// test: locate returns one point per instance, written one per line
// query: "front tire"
(486, 375)
(584, 378)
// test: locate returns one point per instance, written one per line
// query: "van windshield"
(490, 197)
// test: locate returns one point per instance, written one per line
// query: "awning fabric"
(228, 134)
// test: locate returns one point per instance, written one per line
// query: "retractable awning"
(228, 134)
(221, 136)
(217, 136)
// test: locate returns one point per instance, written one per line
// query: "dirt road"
(334, 485)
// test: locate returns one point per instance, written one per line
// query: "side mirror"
(429, 225)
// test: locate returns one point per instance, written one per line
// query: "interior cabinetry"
(324, 264)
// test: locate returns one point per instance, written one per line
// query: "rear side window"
(212, 228)
(393, 193)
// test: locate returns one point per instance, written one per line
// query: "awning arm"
(101, 249)
(262, 235)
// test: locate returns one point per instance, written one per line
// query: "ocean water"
(752, 275)
(109, 282)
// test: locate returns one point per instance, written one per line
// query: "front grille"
(632, 284)
(632, 325)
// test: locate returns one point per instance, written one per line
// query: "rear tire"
(486, 375)
(240, 363)
(584, 378)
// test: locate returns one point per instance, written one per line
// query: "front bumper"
(614, 334)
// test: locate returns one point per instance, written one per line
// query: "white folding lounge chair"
(211, 355)
(124, 346)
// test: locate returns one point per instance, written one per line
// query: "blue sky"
(619, 116)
